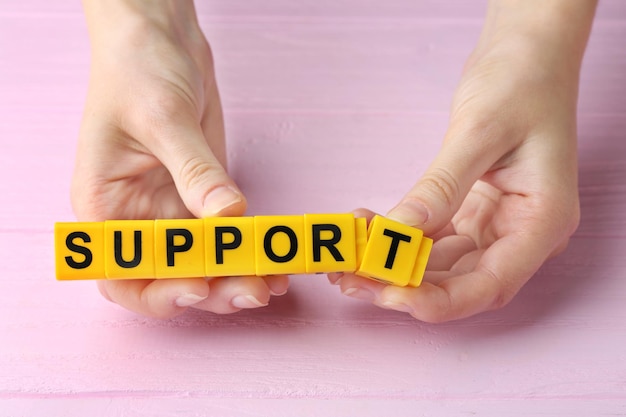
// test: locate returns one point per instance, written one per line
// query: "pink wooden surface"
(330, 105)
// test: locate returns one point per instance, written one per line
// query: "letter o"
(293, 244)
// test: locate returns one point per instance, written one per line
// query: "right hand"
(501, 196)
(151, 146)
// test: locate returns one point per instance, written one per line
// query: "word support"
(385, 251)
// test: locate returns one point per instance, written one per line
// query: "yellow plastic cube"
(420, 264)
(179, 248)
(79, 250)
(229, 246)
(129, 249)
(360, 225)
(330, 242)
(391, 252)
(279, 245)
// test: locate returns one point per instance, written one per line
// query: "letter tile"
(179, 248)
(79, 250)
(391, 251)
(330, 242)
(279, 243)
(129, 249)
(229, 246)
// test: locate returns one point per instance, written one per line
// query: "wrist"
(562, 26)
(130, 21)
(542, 42)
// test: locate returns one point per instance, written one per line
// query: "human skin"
(501, 196)
(151, 145)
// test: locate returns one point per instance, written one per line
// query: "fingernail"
(410, 212)
(219, 199)
(188, 300)
(246, 301)
(360, 293)
(277, 294)
(397, 306)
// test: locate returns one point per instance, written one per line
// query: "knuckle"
(484, 133)
(562, 215)
(87, 201)
(440, 309)
(560, 248)
(440, 183)
(502, 290)
(195, 171)
(162, 113)
(502, 297)
(148, 304)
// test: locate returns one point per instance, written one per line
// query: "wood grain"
(330, 105)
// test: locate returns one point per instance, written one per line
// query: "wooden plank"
(115, 404)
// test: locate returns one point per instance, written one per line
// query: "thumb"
(439, 193)
(201, 181)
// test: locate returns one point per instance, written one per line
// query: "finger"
(277, 284)
(361, 288)
(448, 250)
(163, 298)
(335, 277)
(467, 263)
(232, 294)
(201, 180)
(446, 231)
(467, 154)
(363, 212)
(464, 264)
(437, 277)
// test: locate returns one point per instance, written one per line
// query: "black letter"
(395, 241)
(171, 248)
(293, 241)
(117, 250)
(219, 241)
(69, 242)
(329, 244)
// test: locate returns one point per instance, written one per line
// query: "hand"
(152, 146)
(501, 197)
